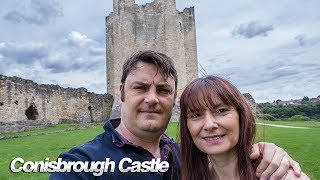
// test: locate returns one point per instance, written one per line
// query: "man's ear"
(122, 92)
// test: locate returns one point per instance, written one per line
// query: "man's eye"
(139, 87)
(164, 91)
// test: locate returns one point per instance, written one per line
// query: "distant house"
(295, 101)
(314, 100)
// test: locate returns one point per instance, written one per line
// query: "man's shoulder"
(94, 149)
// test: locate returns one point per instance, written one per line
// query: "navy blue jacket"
(112, 145)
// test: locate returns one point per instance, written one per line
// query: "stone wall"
(24, 100)
(156, 26)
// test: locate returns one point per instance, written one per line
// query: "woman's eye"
(195, 115)
(222, 110)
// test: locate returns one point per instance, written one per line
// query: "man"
(148, 92)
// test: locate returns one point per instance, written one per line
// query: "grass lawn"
(302, 144)
(38, 147)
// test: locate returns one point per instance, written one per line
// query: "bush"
(267, 117)
(299, 118)
(308, 109)
(316, 117)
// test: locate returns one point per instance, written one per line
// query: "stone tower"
(156, 26)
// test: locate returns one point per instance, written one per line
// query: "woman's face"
(215, 132)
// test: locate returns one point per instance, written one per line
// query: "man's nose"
(210, 122)
(151, 97)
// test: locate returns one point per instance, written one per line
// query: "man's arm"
(275, 161)
(291, 175)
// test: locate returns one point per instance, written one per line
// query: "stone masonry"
(25, 103)
(156, 26)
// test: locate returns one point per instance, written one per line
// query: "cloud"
(301, 39)
(37, 12)
(77, 64)
(76, 52)
(282, 71)
(78, 39)
(252, 29)
(24, 53)
(280, 76)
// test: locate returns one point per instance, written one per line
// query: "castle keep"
(154, 26)
(27, 105)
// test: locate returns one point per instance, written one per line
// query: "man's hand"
(275, 161)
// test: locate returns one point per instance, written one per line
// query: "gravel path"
(283, 126)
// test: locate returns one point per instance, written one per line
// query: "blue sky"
(270, 49)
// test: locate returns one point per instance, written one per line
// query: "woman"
(217, 129)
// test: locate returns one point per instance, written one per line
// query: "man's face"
(148, 100)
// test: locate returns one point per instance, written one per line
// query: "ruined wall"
(251, 102)
(156, 26)
(24, 100)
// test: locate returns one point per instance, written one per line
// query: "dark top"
(110, 146)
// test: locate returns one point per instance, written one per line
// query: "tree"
(277, 101)
(305, 98)
(307, 109)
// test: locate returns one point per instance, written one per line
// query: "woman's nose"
(210, 122)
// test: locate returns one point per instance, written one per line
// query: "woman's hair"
(201, 94)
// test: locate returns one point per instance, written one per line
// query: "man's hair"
(163, 63)
(200, 94)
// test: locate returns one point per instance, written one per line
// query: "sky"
(270, 49)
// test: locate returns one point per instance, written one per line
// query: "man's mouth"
(150, 111)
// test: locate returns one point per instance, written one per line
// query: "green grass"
(37, 148)
(51, 129)
(302, 144)
(172, 130)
